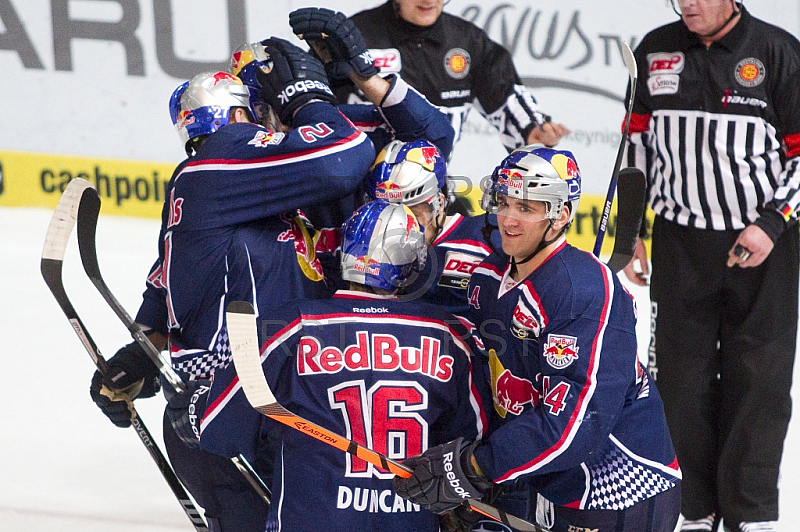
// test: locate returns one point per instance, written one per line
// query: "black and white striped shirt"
(717, 130)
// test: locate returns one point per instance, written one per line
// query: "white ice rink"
(63, 466)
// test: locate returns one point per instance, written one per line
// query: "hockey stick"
(87, 243)
(55, 245)
(243, 337)
(630, 62)
(632, 187)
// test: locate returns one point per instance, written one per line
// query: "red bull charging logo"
(367, 265)
(513, 393)
(560, 351)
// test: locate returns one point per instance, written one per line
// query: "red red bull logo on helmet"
(185, 118)
(513, 393)
(560, 351)
(224, 76)
(424, 156)
(367, 265)
(241, 59)
(510, 178)
(389, 191)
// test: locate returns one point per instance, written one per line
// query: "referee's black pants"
(722, 353)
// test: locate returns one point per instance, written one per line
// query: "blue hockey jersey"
(576, 413)
(395, 376)
(455, 253)
(222, 233)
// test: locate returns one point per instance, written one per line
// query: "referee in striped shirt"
(716, 128)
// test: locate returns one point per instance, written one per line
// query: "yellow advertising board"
(136, 188)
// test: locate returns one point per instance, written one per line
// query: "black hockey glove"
(333, 30)
(186, 409)
(442, 477)
(131, 374)
(294, 79)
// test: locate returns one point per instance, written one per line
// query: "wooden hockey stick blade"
(243, 338)
(62, 222)
(87, 243)
(631, 191)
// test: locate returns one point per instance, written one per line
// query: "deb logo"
(524, 324)
(457, 62)
(389, 191)
(666, 63)
(750, 72)
(560, 351)
(367, 265)
(513, 393)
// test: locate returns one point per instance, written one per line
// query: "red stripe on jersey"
(639, 123)
(457, 219)
(792, 144)
(572, 424)
(284, 157)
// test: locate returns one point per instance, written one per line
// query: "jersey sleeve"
(584, 379)
(502, 98)
(244, 172)
(404, 114)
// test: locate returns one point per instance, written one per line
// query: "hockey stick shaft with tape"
(630, 63)
(62, 222)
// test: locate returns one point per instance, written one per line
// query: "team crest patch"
(266, 138)
(456, 63)
(560, 351)
(750, 72)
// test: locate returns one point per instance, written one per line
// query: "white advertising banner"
(92, 78)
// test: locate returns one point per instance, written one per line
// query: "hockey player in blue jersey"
(392, 375)
(414, 174)
(577, 417)
(279, 247)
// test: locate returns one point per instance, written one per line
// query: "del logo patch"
(750, 72)
(458, 269)
(456, 63)
(524, 324)
(387, 59)
(560, 351)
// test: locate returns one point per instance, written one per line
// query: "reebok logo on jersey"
(381, 352)
(371, 310)
(301, 86)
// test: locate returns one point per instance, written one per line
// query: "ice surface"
(63, 465)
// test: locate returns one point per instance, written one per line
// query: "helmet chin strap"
(542, 244)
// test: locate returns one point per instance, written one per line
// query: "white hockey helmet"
(536, 173)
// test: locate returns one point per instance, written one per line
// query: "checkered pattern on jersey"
(617, 482)
(204, 363)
